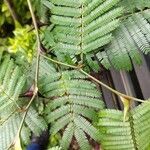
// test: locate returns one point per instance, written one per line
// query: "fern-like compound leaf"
(132, 35)
(80, 27)
(86, 27)
(9, 128)
(11, 84)
(12, 81)
(74, 103)
(133, 134)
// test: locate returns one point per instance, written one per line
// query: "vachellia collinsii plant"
(45, 80)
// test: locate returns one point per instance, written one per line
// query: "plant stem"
(111, 89)
(23, 119)
(35, 91)
(60, 63)
(38, 41)
(12, 11)
(94, 79)
(81, 44)
(26, 111)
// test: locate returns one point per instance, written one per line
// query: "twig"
(26, 112)
(23, 119)
(37, 66)
(94, 79)
(111, 89)
(12, 11)
(38, 41)
(60, 63)
(35, 91)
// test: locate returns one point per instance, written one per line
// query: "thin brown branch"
(35, 91)
(111, 89)
(12, 10)
(94, 79)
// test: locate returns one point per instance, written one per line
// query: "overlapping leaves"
(80, 27)
(133, 134)
(73, 103)
(130, 38)
(12, 81)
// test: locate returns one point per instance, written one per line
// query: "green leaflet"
(73, 100)
(134, 134)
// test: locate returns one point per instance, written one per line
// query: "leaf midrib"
(131, 121)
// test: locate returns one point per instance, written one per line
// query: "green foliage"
(11, 84)
(132, 134)
(5, 14)
(134, 5)
(9, 127)
(73, 102)
(87, 32)
(132, 35)
(40, 10)
(64, 37)
(80, 27)
(5, 18)
(21, 11)
(11, 107)
(23, 43)
(54, 140)
(55, 148)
